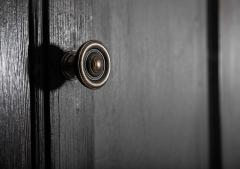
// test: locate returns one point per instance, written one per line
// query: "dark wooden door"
(152, 113)
(230, 86)
(15, 127)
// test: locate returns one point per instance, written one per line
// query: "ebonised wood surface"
(15, 126)
(153, 111)
(71, 105)
(230, 83)
(35, 26)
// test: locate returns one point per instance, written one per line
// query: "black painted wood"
(15, 126)
(213, 85)
(36, 62)
(153, 111)
(71, 105)
(230, 83)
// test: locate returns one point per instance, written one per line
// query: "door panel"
(153, 111)
(15, 142)
(230, 84)
(71, 105)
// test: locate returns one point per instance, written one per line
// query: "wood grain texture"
(230, 83)
(71, 105)
(15, 147)
(153, 111)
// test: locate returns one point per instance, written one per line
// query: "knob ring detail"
(82, 73)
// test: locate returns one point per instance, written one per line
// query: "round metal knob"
(90, 64)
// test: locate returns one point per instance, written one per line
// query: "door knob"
(90, 64)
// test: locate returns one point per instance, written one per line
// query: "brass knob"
(90, 64)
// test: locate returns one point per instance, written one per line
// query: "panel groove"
(215, 161)
(39, 85)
